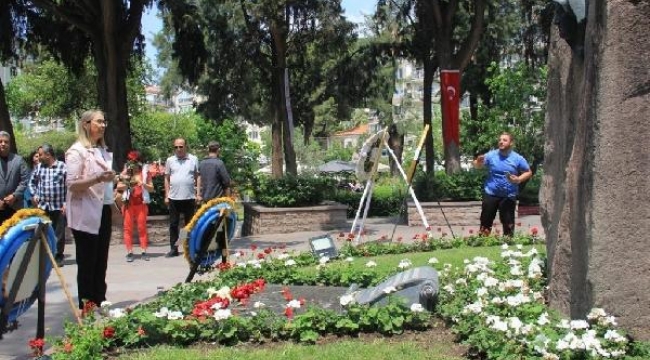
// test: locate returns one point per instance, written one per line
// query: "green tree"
(276, 52)
(153, 132)
(107, 31)
(518, 107)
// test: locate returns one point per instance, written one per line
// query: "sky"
(151, 24)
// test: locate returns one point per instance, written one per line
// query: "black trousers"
(58, 224)
(92, 260)
(505, 206)
(176, 208)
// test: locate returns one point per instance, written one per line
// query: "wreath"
(201, 227)
(367, 156)
(15, 233)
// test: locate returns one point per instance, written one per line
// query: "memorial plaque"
(417, 285)
(273, 297)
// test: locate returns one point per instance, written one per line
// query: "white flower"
(174, 315)
(293, 304)
(389, 289)
(607, 321)
(162, 312)
(371, 264)
(481, 291)
(323, 260)
(490, 282)
(222, 314)
(497, 300)
(579, 324)
(224, 293)
(346, 300)
(448, 288)
(433, 261)
(105, 304)
(461, 281)
(241, 264)
(515, 324)
(519, 247)
(116, 313)
(349, 259)
(417, 307)
(258, 304)
(475, 308)
(217, 306)
(283, 256)
(596, 313)
(404, 263)
(504, 246)
(617, 353)
(500, 325)
(516, 271)
(290, 262)
(614, 336)
(564, 324)
(543, 319)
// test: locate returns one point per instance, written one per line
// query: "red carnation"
(109, 332)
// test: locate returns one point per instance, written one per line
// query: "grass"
(386, 264)
(434, 344)
(378, 349)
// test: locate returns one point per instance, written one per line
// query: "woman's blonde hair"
(82, 133)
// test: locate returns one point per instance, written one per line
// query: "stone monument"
(595, 194)
(417, 285)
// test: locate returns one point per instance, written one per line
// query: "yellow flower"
(19, 216)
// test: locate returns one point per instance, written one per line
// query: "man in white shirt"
(182, 190)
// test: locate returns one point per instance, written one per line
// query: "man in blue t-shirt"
(506, 170)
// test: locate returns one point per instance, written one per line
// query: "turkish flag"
(450, 90)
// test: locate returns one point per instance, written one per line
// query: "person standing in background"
(32, 164)
(506, 170)
(48, 184)
(215, 180)
(14, 176)
(135, 185)
(89, 200)
(182, 190)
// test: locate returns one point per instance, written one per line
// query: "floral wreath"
(19, 216)
(368, 155)
(198, 215)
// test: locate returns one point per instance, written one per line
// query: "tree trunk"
(277, 158)
(5, 119)
(111, 88)
(281, 86)
(396, 143)
(427, 115)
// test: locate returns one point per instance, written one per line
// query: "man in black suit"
(13, 178)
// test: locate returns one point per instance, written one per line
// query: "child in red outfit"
(135, 185)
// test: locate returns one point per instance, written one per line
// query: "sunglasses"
(179, 147)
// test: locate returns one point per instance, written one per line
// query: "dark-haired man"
(48, 186)
(506, 170)
(13, 178)
(215, 180)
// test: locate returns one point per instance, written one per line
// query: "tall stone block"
(595, 196)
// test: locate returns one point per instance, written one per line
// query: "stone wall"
(595, 192)
(458, 213)
(260, 220)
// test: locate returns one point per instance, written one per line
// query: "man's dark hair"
(214, 146)
(47, 148)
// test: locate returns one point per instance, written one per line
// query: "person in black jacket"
(13, 178)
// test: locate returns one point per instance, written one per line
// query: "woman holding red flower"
(135, 186)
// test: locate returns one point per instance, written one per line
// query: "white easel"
(376, 143)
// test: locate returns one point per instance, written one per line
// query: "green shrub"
(157, 205)
(386, 201)
(438, 186)
(529, 194)
(291, 191)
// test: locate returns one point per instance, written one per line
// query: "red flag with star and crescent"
(450, 88)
